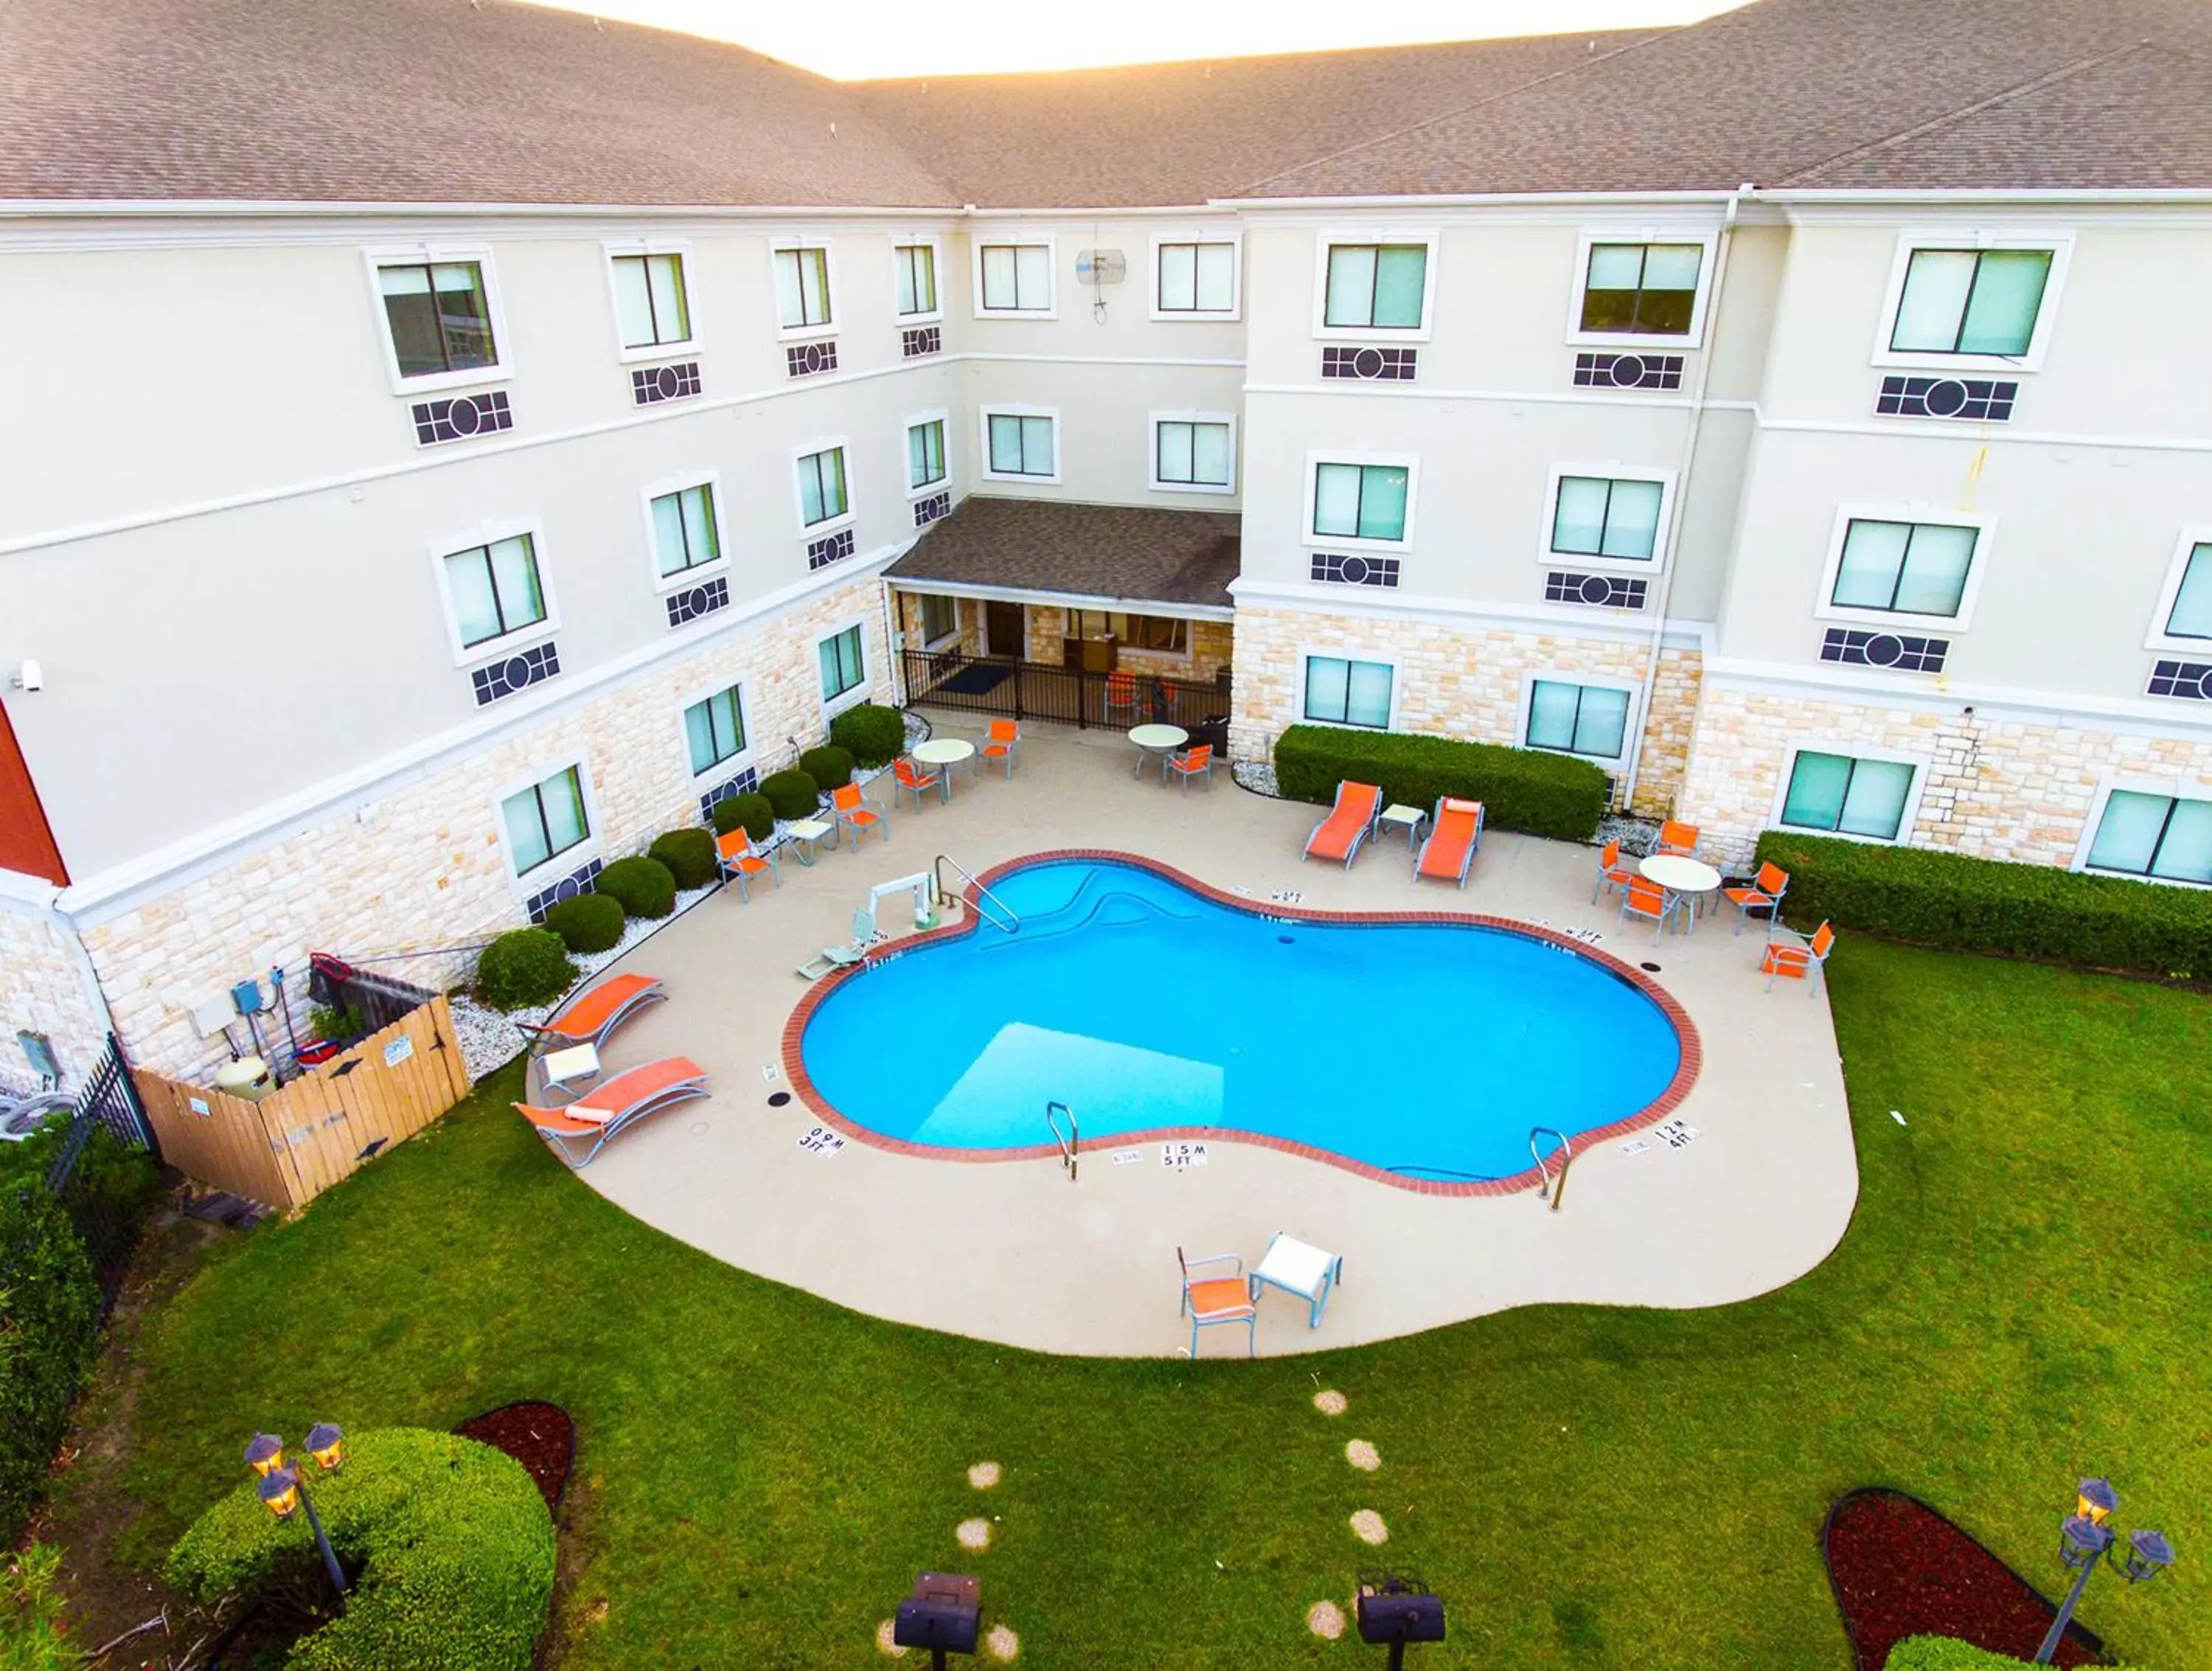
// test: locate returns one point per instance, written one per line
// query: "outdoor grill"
(941, 1615)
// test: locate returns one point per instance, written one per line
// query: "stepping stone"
(1362, 1456)
(1367, 1526)
(984, 1475)
(1001, 1643)
(974, 1533)
(883, 1643)
(1325, 1620)
(1330, 1403)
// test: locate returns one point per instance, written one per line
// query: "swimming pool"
(1417, 1049)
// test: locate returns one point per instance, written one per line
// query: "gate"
(1066, 696)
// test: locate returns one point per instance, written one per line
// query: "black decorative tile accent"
(1903, 653)
(1370, 364)
(516, 673)
(576, 882)
(805, 359)
(2190, 680)
(651, 384)
(1598, 590)
(1628, 371)
(927, 511)
(922, 339)
(693, 601)
(821, 553)
(1975, 399)
(743, 784)
(1353, 569)
(464, 415)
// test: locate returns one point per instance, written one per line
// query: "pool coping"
(1677, 1090)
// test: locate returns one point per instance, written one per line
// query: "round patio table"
(1155, 740)
(945, 752)
(1691, 877)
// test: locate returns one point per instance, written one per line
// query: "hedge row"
(1963, 904)
(49, 1338)
(1944, 1653)
(1532, 790)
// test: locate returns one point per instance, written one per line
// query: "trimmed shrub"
(1531, 790)
(793, 794)
(643, 885)
(829, 766)
(688, 853)
(589, 922)
(749, 811)
(523, 969)
(872, 734)
(33, 1636)
(1944, 1653)
(1964, 904)
(450, 1537)
(49, 1338)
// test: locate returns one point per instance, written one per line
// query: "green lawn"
(2023, 1297)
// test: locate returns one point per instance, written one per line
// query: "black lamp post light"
(1399, 1610)
(284, 1487)
(941, 1614)
(2084, 1536)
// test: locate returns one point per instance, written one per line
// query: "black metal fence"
(103, 1172)
(1067, 696)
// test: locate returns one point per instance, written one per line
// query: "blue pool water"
(1430, 1048)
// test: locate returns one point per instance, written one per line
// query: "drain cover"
(777, 1099)
(1648, 968)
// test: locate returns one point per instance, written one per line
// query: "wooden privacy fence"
(291, 1147)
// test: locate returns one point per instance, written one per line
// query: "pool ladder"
(1546, 1186)
(1068, 1139)
(985, 901)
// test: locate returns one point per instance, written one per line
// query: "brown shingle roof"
(1134, 554)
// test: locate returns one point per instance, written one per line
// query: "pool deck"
(1011, 1251)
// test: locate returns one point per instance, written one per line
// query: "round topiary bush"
(872, 734)
(793, 794)
(451, 1540)
(829, 766)
(644, 886)
(589, 922)
(749, 811)
(523, 969)
(688, 853)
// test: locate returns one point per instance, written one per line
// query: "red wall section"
(27, 843)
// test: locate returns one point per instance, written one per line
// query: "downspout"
(1682, 486)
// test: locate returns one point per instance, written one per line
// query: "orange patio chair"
(1680, 838)
(1767, 889)
(1004, 739)
(593, 1120)
(1797, 958)
(1454, 832)
(1611, 872)
(1651, 903)
(591, 1017)
(856, 813)
(913, 778)
(740, 861)
(1348, 825)
(1194, 762)
(1212, 1300)
(1121, 695)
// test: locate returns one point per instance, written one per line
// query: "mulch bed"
(538, 1436)
(1900, 1568)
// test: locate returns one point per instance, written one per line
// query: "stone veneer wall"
(2002, 788)
(42, 989)
(1459, 681)
(422, 865)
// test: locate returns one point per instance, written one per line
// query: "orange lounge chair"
(741, 861)
(1454, 832)
(599, 1115)
(1797, 958)
(1348, 825)
(1211, 1300)
(591, 1017)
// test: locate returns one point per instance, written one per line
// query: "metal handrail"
(1068, 1141)
(944, 895)
(1546, 1187)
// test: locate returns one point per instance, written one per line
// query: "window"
(1017, 278)
(1903, 568)
(684, 532)
(940, 618)
(1577, 719)
(1969, 301)
(440, 316)
(2159, 836)
(1157, 633)
(1376, 286)
(1849, 796)
(650, 300)
(1022, 445)
(545, 820)
(1349, 693)
(1360, 501)
(802, 288)
(1193, 453)
(2191, 617)
(1195, 278)
(494, 590)
(1641, 289)
(917, 278)
(715, 730)
(822, 486)
(1600, 516)
(925, 453)
(844, 665)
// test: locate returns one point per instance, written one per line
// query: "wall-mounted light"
(29, 677)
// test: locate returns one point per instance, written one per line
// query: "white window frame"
(2177, 788)
(936, 247)
(975, 246)
(1412, 464)
(744, 757)
(1905, 824)
(812, 531)
(1646, 341)
(2061, 246)
(1234, 237)
(807, 333)
(1325, 332)
(1949, 625)
(943, 482)
(1306, 652)
(712, 480)
(488, 533)
(501, 370)
(1631, 727)
(833, 705)
(1152, 422)
(2158, 638)
(1613, 471)
(983, 416)
(523, 883)
(682, 251)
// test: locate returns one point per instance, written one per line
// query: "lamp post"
(1398, 1610)
(284, 1487)
(2083, 1536)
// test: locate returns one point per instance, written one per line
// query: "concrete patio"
(1011, 1251)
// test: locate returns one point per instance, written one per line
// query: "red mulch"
(1901, 1570)
(540, 1437)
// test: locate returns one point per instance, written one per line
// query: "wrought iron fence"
(1068, 695)
(102, 1173)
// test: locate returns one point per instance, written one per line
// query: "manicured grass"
(2022, 1298)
